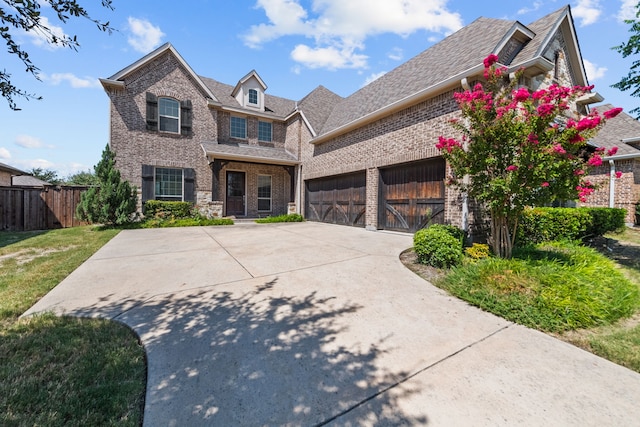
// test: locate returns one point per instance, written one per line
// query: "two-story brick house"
(367, 160)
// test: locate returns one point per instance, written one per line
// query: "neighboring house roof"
(28, 181)
(14, 171)
(622, 131)
(244, 152)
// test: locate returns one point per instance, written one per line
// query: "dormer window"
(253, 97)
(169, 114)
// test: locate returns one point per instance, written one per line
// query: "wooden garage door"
(337, 199)
(412, 196)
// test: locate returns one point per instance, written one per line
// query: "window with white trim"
(253, 97)
(169, 115)
(264, 192)
(265, 131)
(238, 127)
(168, 184)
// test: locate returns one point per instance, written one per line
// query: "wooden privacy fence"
(42, 208)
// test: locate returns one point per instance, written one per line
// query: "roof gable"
(117, 78)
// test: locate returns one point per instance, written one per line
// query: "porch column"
(216, 167)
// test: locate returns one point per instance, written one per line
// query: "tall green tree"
(17, 16)
(87, 178)
(113, 201)
(520, 148)
(47, 175)
(631, 49)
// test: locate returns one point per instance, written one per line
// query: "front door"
(235, 193)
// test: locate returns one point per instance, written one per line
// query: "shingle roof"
(317, 106)
(248, 152)
(541, 28)
(11, 169)
(623, 126)
(28, 181)
(280, 107)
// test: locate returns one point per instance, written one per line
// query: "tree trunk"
(501, 241)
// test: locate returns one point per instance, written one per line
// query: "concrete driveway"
(314, 324)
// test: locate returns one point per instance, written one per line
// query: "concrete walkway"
(314, 324)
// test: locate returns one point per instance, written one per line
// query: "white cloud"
(43, 39)
(328, 57)
(340, 27)
(28, 141)
(73, 80)
(4, 153)
(534, 7)
(593, 71)
(27, 165)
(396, 54)
(588, 11)
(627, 10)
(144, 36)
(373, 77)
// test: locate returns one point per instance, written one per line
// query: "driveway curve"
(313, 324)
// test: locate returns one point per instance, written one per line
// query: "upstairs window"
(264, 131)
(169, 114)
(253, 97)
(238, 127)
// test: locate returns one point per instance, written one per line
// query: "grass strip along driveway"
(60, 370)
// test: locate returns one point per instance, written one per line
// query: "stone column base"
(211, 209)
(291, 208)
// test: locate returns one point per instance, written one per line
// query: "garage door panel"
(412, 196)
(337, 200)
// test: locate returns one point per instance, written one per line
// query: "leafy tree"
(25, 15)
(631, 47)
(114, 201)
(47, 175)
(520, 149)
(86, 178)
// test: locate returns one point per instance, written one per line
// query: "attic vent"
(510, 50)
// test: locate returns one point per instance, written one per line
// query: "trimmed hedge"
(439, 246)
(539, 225)
(160, 208)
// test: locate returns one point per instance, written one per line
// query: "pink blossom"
(490, 60)
(544, 184)
(539, 94)
(512, 168)
(618, 174)
(576, 139)
(558, 149)
(600, 150)
(533, 138)
(596, 160)
(612, 151)
(610, 114)
(588, 123)
(545, 109)
(521, 94)
(578, 172)
(447, 144)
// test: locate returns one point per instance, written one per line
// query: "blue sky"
(294, 45)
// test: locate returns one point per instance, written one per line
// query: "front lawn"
(588, 296)
(58, 371)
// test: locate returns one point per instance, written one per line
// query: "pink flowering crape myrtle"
(522, 147)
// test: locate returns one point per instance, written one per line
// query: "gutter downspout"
(612, 185)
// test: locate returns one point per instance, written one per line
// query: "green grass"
(553, 287)
(61, 370)
(281, 218)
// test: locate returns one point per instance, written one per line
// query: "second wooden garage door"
(337, 199)
(412, 196)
